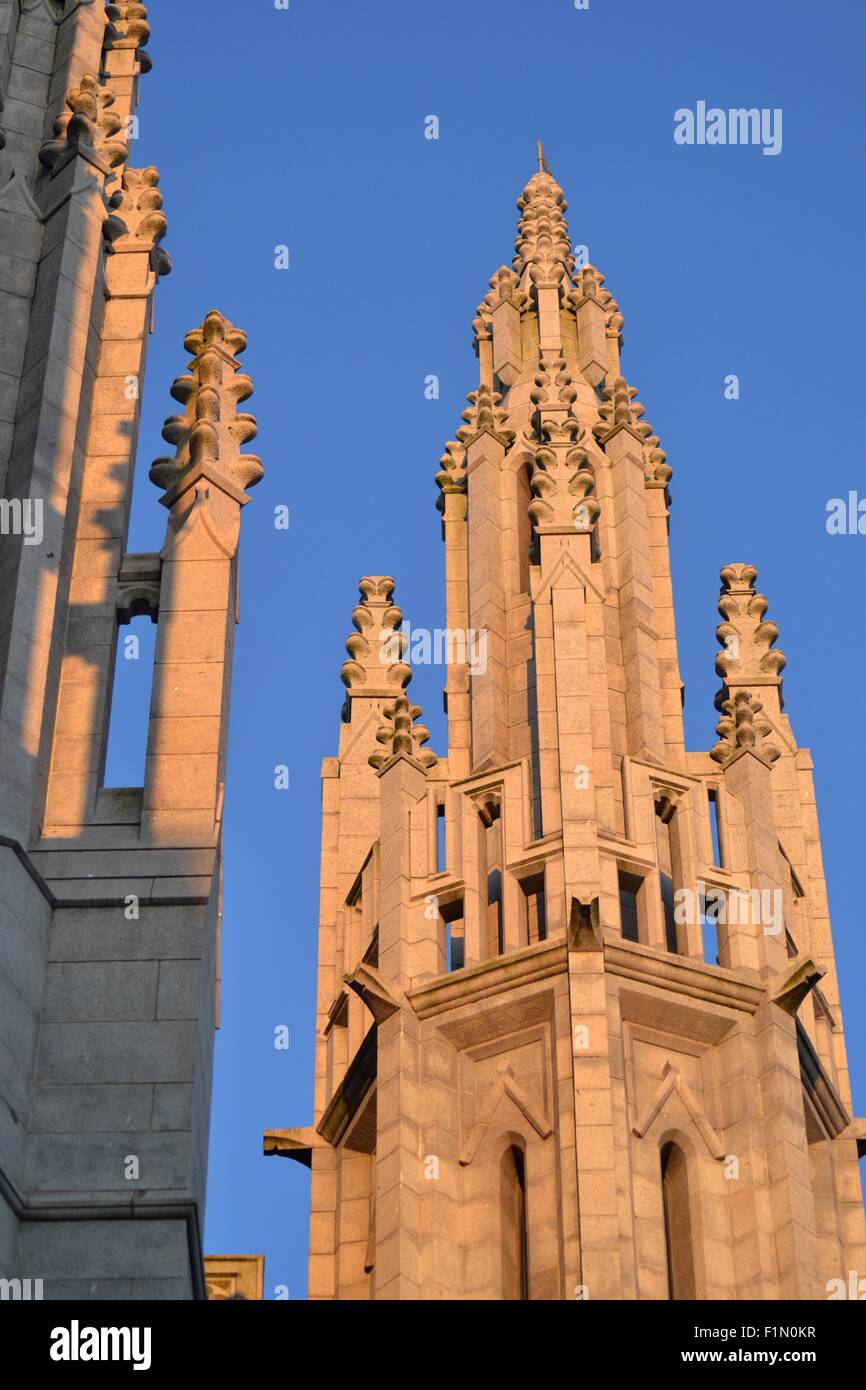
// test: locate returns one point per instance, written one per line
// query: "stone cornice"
(477, 982)
(712, 983)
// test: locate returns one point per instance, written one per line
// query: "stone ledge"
(712, 983)
(476, 982)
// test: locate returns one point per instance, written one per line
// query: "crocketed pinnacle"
(376, 647)
(209, 434)
(749, 659)
(136, 219)
(747, 636)
(90, 120)
(620, 409)
(563, 484)
(128, 28)
(402, 734)
(741, 726)
(542, 244)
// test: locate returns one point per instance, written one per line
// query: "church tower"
(109, 897)
(579, 1031)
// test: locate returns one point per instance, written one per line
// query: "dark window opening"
(490, 863)
(515, 1231)
(440, 838)
(452, 917)
(669, 910)
(667, 848)
(710, 938)
(715, 827)
(495, 925)
(629, 888)
(678, 1225)
(534, 909)
(454, 947)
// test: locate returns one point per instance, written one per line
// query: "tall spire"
(542, 235)
(551, 844)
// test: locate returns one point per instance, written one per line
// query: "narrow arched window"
(678, 1223)
(515, 1236)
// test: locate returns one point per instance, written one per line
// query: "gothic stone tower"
(109, 898)
(578, 1017)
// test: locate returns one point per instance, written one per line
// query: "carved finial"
(137, 219)
(402, 735)
(452, 468)
(589, 284)
(740, 727)
(554, 383)
(620, 409)
(542, 237)
(376, 647)
(484, 413)
(658, 470)
(90, 121)
(563, 486)
(128, 28)
(553, 395)
(747, 637)
(562, 480)
(504, 287)
(504, 284)
(209, 434)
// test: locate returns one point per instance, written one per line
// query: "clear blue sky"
(305, 128)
